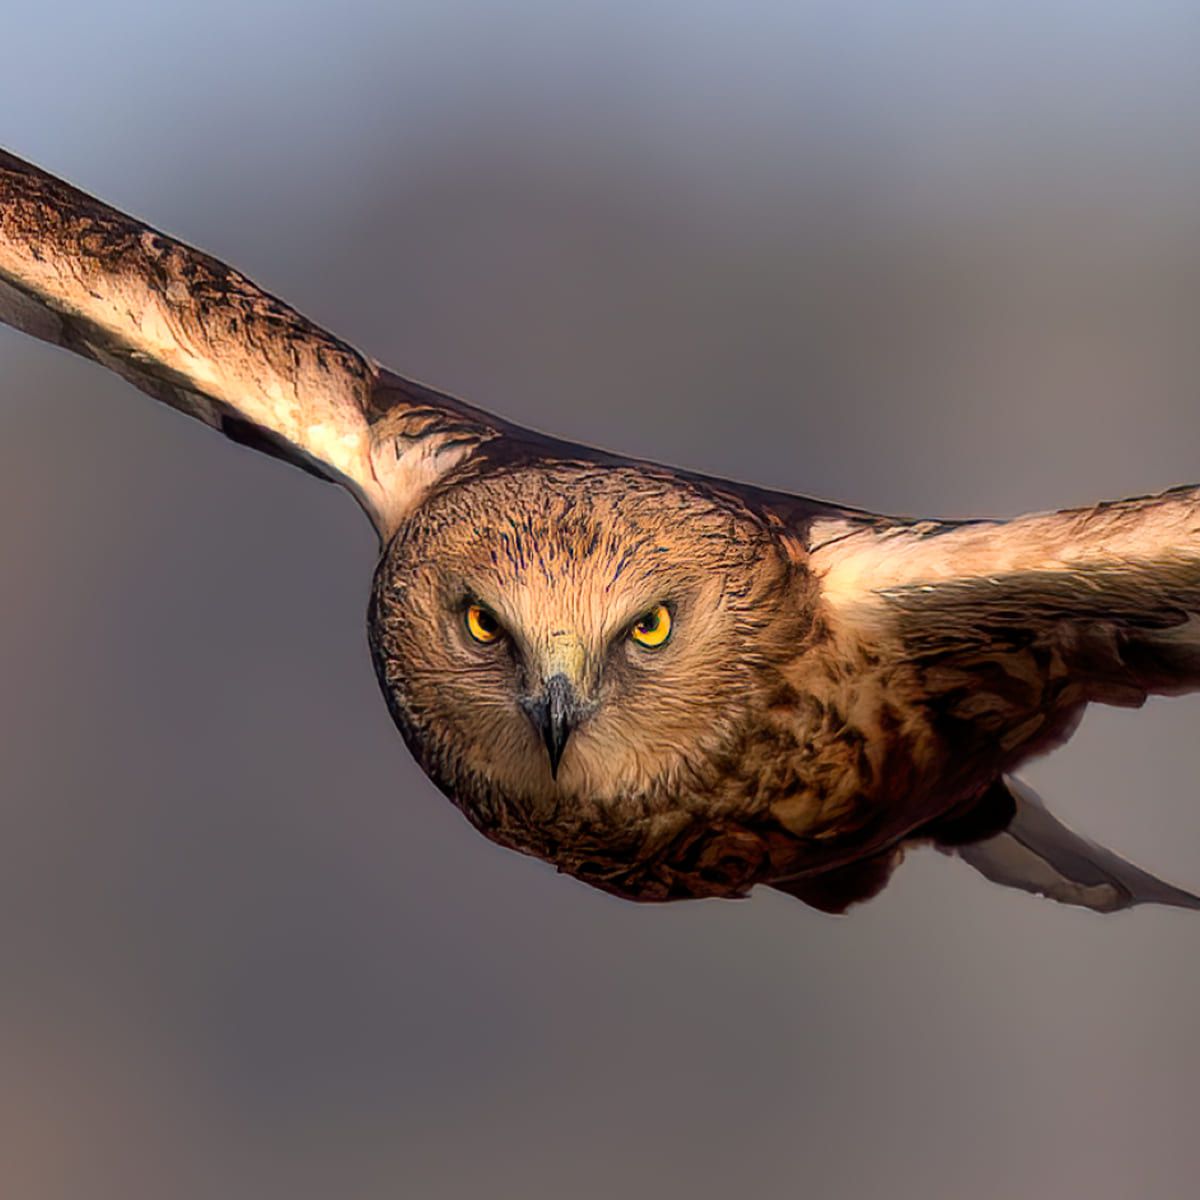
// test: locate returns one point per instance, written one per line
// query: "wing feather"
(197, 335)
(1115, 589)
(1139, 536)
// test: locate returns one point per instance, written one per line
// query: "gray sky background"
(921, 257)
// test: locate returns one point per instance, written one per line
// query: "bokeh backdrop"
(923, 257)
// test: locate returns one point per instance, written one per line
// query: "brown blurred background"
(920, 257)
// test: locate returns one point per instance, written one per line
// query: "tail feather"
(1038, 853)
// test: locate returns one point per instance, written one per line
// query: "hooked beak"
(554, 714)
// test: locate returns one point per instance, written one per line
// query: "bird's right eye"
(482, 624)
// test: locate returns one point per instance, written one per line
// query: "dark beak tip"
(555, 714)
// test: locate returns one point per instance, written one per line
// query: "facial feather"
(566, 553)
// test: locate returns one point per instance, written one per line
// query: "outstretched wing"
(1105, 599)
(199, 336)
(1007, 630)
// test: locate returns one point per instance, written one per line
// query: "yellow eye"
(482, 625)
(653, 628)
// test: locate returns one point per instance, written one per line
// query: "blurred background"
(923, 257)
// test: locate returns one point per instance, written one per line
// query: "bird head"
(560, 633)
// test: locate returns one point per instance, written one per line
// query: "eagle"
(666, 684)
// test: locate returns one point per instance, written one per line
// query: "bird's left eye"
(653, 628)
(482, 624)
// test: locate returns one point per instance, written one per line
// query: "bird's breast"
(807, 784)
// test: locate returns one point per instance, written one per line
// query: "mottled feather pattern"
(829, 685)
(749, 750)
(200, 336)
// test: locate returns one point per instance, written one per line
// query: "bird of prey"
(668, 685)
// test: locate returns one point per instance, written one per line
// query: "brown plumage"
(668, 685)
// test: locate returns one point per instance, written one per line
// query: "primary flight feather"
(667, 685)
